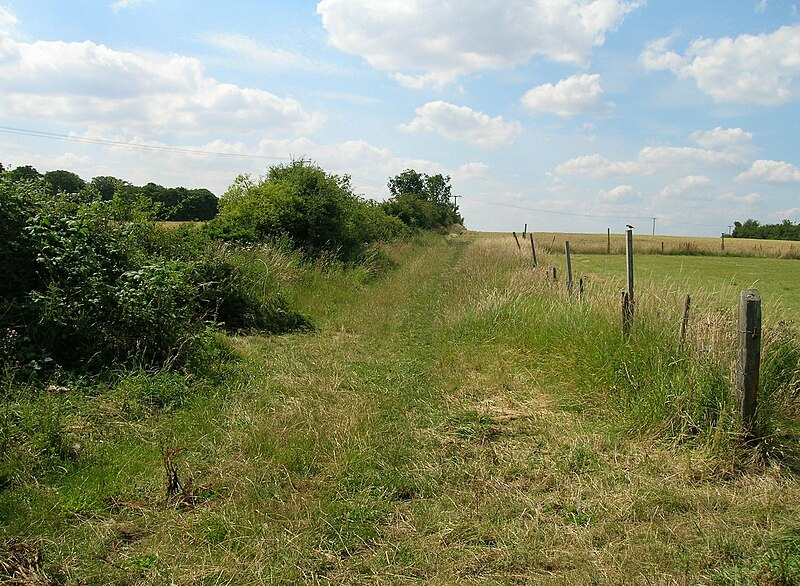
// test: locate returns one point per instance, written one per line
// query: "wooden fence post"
(629, 270)
(608, 242)
(627, 314)
(722, 240)
(749, 359)
(533, 251)
(580, 289)
(555, 277)
(569, 267)
(516, 240)
(684, 322)
(524, 232)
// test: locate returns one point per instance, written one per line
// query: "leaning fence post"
(684, 322)
(533, 250)
(524, 231)
(516, 240)
(569, 267)
(749, 359)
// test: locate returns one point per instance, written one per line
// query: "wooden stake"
(580, 289)
(749, 359)
(629, 268)
(533, 251)
(555, 278)
(516, 240)
(722, 241)
(569, 267)
(627, 314)
(524, 232)
(684, 322)
(608, 244)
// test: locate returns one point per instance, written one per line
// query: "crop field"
(458, 418)
(680, 245)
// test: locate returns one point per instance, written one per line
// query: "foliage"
(786, 230)
(316, 210)
(422, 201)
(63, 182)
(88, 286)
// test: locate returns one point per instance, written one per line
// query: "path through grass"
(423, 434)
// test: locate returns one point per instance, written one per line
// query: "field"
(459, 419)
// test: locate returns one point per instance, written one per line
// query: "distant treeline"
(168, 203)
(753, 229)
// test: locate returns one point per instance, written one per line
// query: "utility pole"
(455, 200)
(730, 229)
(654, 226)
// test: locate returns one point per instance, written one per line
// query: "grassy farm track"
(426, 433)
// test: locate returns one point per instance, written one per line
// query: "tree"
(422, 201)
(61, 181)
(25, 173)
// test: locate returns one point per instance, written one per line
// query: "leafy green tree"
(24, 173)
(422, 201)
(106, 186)
(61, 181)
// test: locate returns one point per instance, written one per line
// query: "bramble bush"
(88, 287)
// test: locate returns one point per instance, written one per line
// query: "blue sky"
(566, 115)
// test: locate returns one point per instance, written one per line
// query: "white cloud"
(135, 92)
(690, 187)
(761, 6)
(765, 171)
(123, 4)
(579, 94)
(462, 124)
(650, 159)
(725, 139)
(430, 42)
(620, 194)
(757, 69)
(748, 199)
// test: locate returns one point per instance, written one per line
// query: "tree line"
(786, 230)
(168, 203)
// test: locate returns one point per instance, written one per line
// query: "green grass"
(715, 278)
(458, 420)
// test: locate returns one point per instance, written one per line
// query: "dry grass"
(434, 429)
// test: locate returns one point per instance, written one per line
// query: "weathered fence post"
(569, 267)
(516, 240)
(608, 242)
(580, 289)
(629, 270)
(524, 232)
(627, 314)
(722, 241)
(555, 276)
(684, 322)
(662, 247)
(533, 251)
(749, 360)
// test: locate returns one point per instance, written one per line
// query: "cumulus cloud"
(620, 194)
(579, 94)
(429, 42)
(725, 139)
(462, 124)
(135, 91)
(765, 171)
(650, 159)
(750, 69)
(691, 187)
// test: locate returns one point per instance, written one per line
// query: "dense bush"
(87, 288)
(317, 211)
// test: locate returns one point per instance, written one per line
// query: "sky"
(567, 115)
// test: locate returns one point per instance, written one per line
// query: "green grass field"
(717, 279)
(460, 419)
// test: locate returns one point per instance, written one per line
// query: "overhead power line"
(147, 147)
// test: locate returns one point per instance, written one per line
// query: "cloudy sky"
(566, 114)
